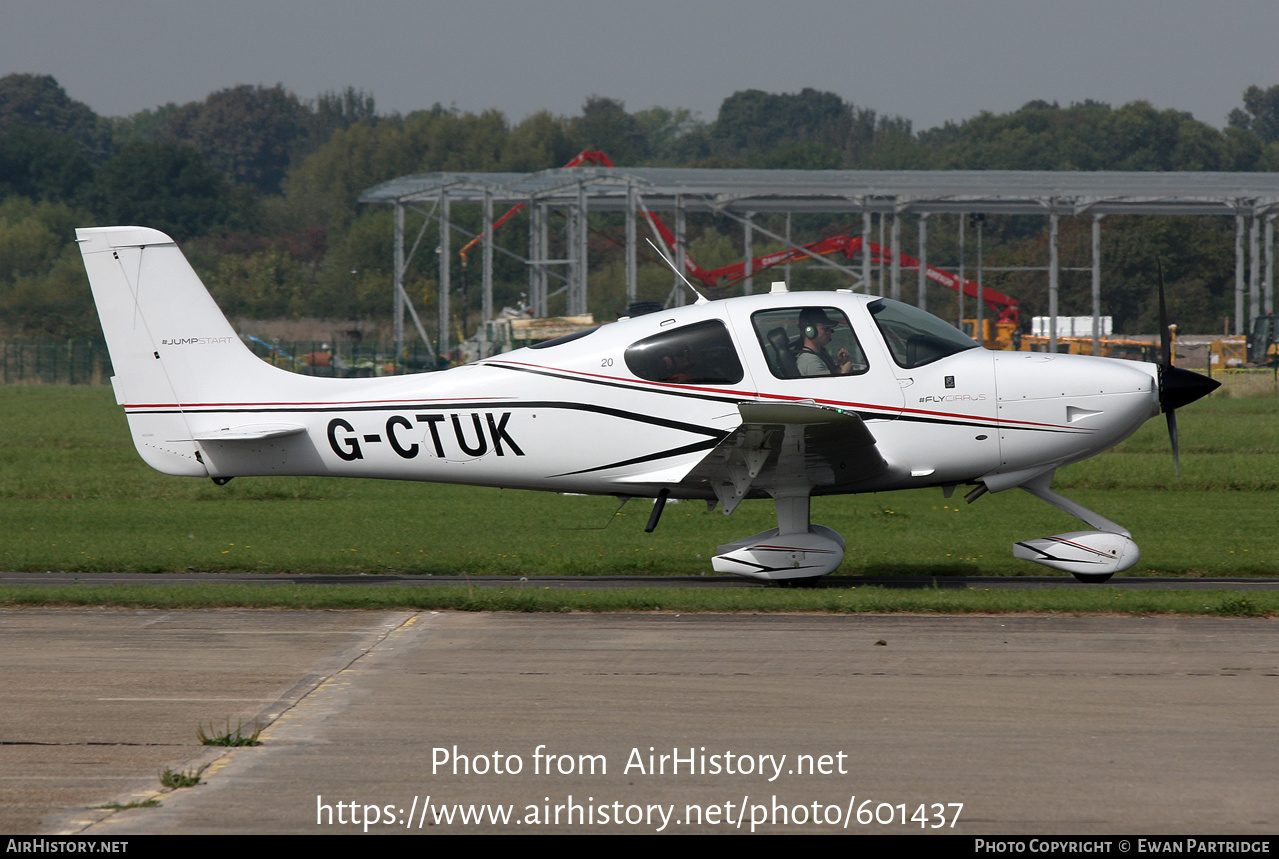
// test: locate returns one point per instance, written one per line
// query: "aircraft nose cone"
(1177, 387)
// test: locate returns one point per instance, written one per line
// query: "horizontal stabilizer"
(253, 432)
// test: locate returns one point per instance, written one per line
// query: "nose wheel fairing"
(1090, 556)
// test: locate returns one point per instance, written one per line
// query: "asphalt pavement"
(449, 722)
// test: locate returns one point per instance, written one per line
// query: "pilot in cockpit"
(813, 359)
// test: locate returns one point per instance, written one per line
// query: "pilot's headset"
(810, 319)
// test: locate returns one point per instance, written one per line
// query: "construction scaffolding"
(740, 195)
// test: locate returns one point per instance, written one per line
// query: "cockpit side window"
(699, 354)
(915, 337)
(800, 342)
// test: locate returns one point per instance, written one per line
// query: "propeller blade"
(1165, 341)
(1177, 387)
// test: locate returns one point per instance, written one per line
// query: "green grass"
(229, 737)
(534, 597)
(74, 496)
(124, 806)
(175, 779)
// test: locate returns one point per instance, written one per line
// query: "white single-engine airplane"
(785, 395)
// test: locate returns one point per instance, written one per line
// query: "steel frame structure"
(741, 195)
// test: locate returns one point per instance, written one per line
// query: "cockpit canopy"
(797, 341)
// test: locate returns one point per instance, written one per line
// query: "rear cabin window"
(803, 342)
(700, 354)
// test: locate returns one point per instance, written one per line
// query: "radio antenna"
(701, 299)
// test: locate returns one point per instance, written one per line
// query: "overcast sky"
(927, 60)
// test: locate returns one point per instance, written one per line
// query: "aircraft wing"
(795, 446)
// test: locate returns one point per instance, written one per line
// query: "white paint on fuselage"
(573, 418)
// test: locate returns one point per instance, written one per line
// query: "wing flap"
(788, 447)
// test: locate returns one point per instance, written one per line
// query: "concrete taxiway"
(392, 721)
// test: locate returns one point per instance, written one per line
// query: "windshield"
(916, 337)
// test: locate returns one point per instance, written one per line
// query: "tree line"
(261, 188)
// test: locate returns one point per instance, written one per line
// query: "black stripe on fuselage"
(713, 436)
(652, 457)
(887, 414)
(991, 424)
(467, 405)
(609, 383)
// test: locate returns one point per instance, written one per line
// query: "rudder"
(170, 345)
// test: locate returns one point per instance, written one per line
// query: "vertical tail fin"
(171, 347)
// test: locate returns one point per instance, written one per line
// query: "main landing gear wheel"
(795, 551)
(1093, 579)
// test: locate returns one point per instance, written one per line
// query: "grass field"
(532, 596)
(74, 496)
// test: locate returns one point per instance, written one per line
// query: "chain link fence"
(86, 362)
(54, 362)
